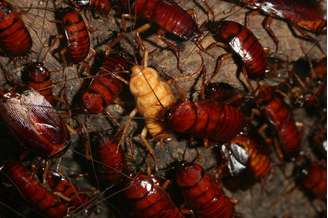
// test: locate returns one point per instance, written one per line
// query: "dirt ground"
(277, 196)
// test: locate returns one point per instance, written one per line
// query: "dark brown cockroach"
(148, 199)
(102, 90)
(307, 15)
(169, 16)
(102, 7)
(312, 177)
(207, 119)
(202, 194)
(34, 122)
(281, 118)
(33, 192)
(241, 42)
(15, 40)
(76, 43)
(64, 188)
(258, 162)
(36, 76)
(111, 157)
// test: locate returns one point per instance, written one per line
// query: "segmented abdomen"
(33, 192)
(203, 195)
(149, 200)
(15, 40)
(167, 15)
(316, 180)
(245, 45)
(217, 122)
(259, 163)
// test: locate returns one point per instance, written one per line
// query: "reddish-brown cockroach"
(307, 15)
(104, 88)
(96, 6)
(34, 122)
(311, 176)
(242, 43)
(225, 93)
(281, 118)
(76, 43)
(258, 162)
(169, 16)
(15, 40)
(64, 188)
(33, 191)
(149, 200)
(36, 76)
(112, 160)
(203, 195)
(212, 120)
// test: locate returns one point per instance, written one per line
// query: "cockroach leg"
(143, 136)
(267, 26)
(166, 184)
(209, 10)
(85, 65)
(248, 14)
(218, 63)
(278, 149)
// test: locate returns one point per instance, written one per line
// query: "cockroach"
(34, 122)
(318, 137)
(241, 42)
(63, 187)
(99, 6)
(112, 160)
(104, 88)
(281, 118)
(311, 176)
(169, 16)
(202, 194)
(207, 119)
(33, 191)
(37, 76)
(225, 93)
(148, 199)
(307, 15)
(77, 40)
(152, 96)
(15, 40)
(258, 162)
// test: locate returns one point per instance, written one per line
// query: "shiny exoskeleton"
(202, 194)
(99, 6)
(112, 160)
(169, 16)
(77, 39)
(207, 119)
(34, 122)
(33, 192)
(243, 44)
(37, 76)
(15, 40)
(258, 162)
(149, 200)
(103, 89)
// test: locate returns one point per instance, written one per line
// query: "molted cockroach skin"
(102, 90)
(243, 43)
(207, 119)
(202, 194)
(76, 34)
(149, 200)
(259, 163)
(169, 16)
(112, 160)
(15, 40)
(306, 14)
(282, 119)
(152, 95)
(33, 192)
(37, 76)
(34, 121)
(100, 6)
(62, 185)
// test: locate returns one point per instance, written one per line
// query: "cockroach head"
(213, 26)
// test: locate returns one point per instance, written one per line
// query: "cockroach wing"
(33, 120)
(237, 158)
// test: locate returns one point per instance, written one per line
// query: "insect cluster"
(163, 108)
